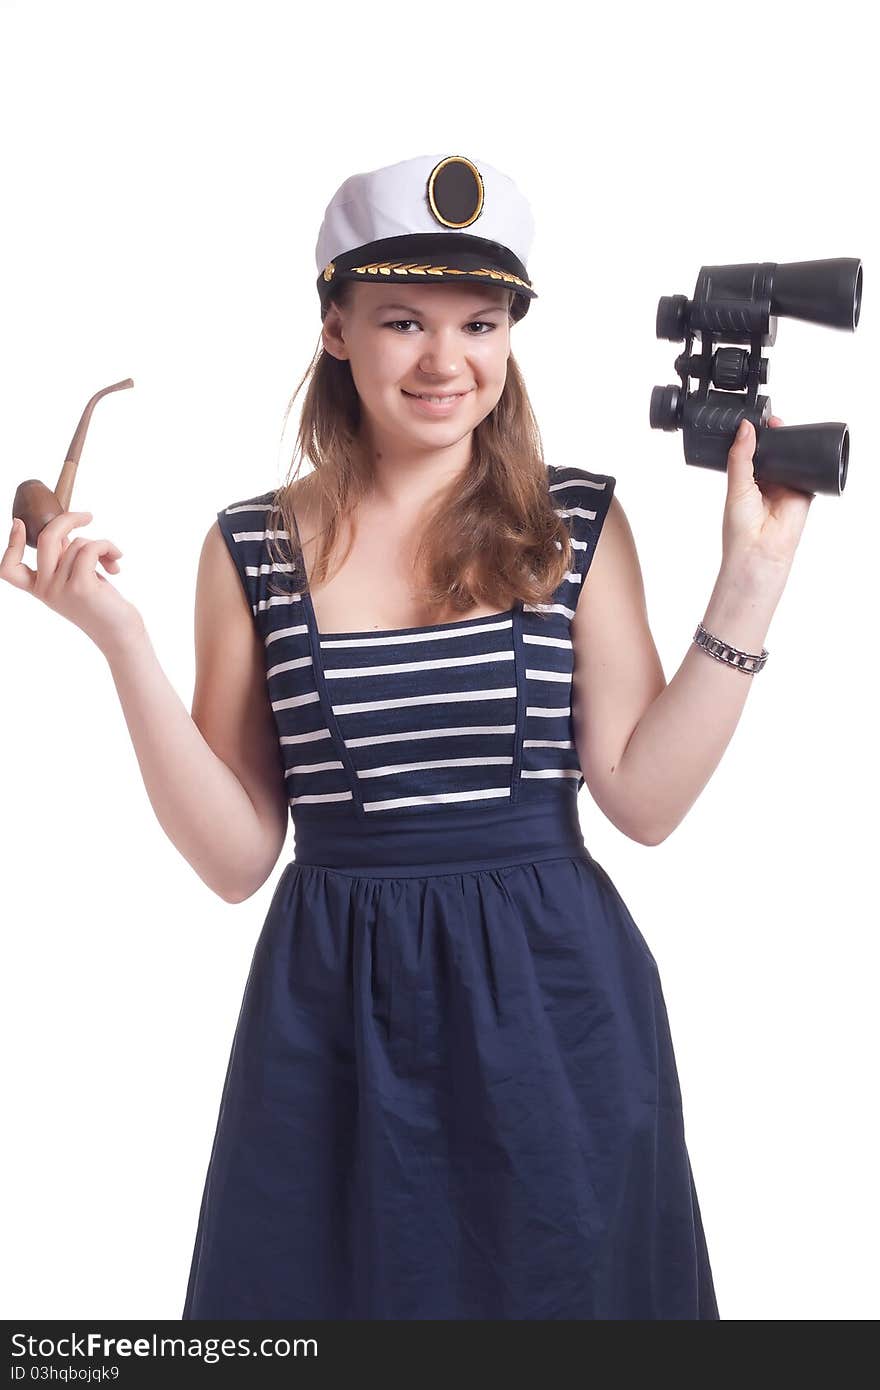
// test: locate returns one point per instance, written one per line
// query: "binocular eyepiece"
(740, 304)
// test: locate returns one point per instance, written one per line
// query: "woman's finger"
(12, 567)
(52, 541)
(93, 550)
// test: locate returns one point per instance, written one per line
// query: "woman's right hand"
(66, 579)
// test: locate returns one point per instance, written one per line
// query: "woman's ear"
(332, 333)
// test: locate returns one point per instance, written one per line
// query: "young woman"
(452, 1091)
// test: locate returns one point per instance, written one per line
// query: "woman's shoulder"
(244, 524)
(241, 506)
(582, 498)
(579, 494)
(566, 477)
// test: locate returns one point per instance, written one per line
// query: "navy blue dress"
(452, 1091)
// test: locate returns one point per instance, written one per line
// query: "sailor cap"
(433, 218)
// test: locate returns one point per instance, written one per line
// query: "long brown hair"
(492, 537)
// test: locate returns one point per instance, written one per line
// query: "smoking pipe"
(34, 503)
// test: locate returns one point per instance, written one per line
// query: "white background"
(165, 168)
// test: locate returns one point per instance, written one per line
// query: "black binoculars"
(740, 304)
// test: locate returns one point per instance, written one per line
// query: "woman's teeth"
(436, 400)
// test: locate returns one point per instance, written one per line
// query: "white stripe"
(248, 507)
(549, 608)
(575, 511)
(444, 663)
(281, 568)
(577, 482)
(548, 675)
(434, 800)
(547, 743)
(293, 665)
(259, 535)
(326, 796)
(286, 632)
(428, 635)
(447, 697)
(305, 738)
(391, 768)
(536, 712)
(279, 598)
(313, 767)
(461, 732)
(296, 700)
(552, 772)
(547, 641)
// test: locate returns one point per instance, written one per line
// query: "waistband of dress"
(447, 839)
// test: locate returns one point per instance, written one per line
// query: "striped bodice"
(472, 711)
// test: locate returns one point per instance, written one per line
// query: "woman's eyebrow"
(410, 309)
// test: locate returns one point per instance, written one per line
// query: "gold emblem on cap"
(478, 190)
(328, 270)
(415, 268)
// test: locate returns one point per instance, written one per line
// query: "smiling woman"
(444, 350)
(430, 408)
(452, 1091)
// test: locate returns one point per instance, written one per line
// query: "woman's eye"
(481, 323)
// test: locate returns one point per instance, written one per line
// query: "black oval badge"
(455, 192)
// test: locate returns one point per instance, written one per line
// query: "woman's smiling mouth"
(435, 405)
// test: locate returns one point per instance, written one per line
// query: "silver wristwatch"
(742, 661)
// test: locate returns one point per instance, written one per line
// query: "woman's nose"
(445, 368)
(442, 357)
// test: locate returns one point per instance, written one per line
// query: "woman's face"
(404, 340)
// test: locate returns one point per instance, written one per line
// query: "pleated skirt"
(451, 1091)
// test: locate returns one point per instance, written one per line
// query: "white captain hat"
(435, 217)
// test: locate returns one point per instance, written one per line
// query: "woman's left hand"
(762, 522)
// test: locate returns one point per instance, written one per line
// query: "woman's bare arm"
(647, 748)
(214, 777)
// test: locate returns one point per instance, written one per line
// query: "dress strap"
(582, 499)
(243, 527)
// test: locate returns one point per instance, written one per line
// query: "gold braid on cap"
(414, 268)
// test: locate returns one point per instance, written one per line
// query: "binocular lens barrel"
(808, 458)
(826, 292)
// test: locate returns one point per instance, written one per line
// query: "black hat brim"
(431, 257)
